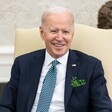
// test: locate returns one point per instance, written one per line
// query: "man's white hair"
(56, 9)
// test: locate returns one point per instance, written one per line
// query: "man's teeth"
(58, 45)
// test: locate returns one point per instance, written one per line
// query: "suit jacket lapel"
(72, 71)
(36, 67)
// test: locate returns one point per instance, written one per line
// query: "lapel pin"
(74, 65)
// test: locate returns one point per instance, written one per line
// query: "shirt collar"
(49, 59)
(63, 59)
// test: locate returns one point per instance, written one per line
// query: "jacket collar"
(36, 67)
(72, 71)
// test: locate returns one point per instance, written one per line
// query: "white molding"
(6, 61)
(6, 49)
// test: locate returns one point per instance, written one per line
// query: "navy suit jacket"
(19, 93)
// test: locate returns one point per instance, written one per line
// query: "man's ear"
(41, 32)
(73, 35)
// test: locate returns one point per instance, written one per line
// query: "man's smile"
(58, 45)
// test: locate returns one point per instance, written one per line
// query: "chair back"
(93, 41)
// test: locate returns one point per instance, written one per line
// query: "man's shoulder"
(36, 53)
(84, 56)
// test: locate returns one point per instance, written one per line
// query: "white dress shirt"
(57, 103)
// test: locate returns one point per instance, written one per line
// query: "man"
(80, 84)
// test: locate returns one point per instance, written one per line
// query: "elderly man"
(56, 79)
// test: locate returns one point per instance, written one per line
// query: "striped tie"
(47, 89)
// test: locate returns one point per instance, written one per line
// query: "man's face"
(57, 33)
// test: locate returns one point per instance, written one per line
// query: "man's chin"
(59, 54)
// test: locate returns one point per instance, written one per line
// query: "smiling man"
(57, 31)
(57, 78)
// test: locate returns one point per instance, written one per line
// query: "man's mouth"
(58, 45)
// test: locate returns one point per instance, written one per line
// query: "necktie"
(47, 88)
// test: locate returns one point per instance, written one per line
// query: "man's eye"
(66, 32)
(53, 31)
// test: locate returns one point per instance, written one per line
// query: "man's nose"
(60, 36)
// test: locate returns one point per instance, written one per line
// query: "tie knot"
(55, 62)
